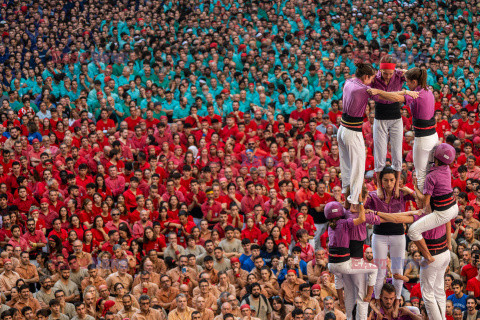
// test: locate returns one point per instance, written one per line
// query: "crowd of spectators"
(172, 159)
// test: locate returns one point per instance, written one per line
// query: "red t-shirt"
(469, 271)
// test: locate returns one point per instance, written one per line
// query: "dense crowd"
(172, 159)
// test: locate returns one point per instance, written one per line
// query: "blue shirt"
(459, 302)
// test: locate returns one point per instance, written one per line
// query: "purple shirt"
(355, 97)
(394, 206)
(340, 236)
(438, 181)
(359, 232)
(435, 233)
(395, 84)
(423, 107)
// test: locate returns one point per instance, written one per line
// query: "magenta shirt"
(355, 97)
(340, 236)
(423, 107)
(395, 84)
(438, 181)
(359, 233)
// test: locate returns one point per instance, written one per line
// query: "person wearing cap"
(246, 312)
(290, 287)
(422, 105)
(339, 261)
(350, 139)
(236, 275)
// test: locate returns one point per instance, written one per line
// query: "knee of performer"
(413, 234)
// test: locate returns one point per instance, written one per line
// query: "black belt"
(423, 128)
(437, 246)
(387, 111)
(442, 203)
(352, 123)
(356, 249)
(338, 254)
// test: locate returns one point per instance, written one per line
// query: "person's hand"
(413, 94)
(373, 91)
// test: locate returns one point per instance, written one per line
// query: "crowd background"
(173, 158)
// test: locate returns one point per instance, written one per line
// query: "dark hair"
(419, 75)
(387, 170)
(364, 69)
(388, 288)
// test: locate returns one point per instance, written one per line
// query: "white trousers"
(422, 156)
(383, 131)
(355, 289)
(431, 221)
(382, 246)
(353, 266)
(432, 285)
(321, 227)
(351, 148)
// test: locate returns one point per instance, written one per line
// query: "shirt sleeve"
(429, 185)
(408, 100)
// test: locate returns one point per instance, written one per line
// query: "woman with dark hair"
(99, 231)
(422, 104)
(388, 238)
(269, 250)
(101, 188)
(153, 242)
(76, 226)
(350, 138)
(56, 249)
(280, 310)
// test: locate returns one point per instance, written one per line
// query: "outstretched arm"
(405, 217)
(398, 96)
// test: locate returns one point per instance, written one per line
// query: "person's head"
(457, 313)
(365, 72)
(387, 296)
(387, 178)
(181, 302)
(471, 304)
(297, 314)
(416, 77)
(144, 302)
(256, 290)
(387, 67)
(457, 286)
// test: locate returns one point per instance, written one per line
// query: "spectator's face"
(457, 315)
(457, 289)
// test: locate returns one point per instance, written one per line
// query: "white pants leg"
(384, 131)
(359, 292)
(351, 148)
(381, 246)
(321, 227)
(431, 221)
(432, 285)
(349, 267)
(422, 155)
(348, 291)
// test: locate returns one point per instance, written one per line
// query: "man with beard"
(387, 301)
(25, 299)
(236, 275)
(182, 312)
(27, 271)
(67, 285)
(89, 300)
(258, 302)
(35, 238)
(93, 279)
(167, 293)
(45, 294)
(65, 307)
(81, 311)
(128, 309)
